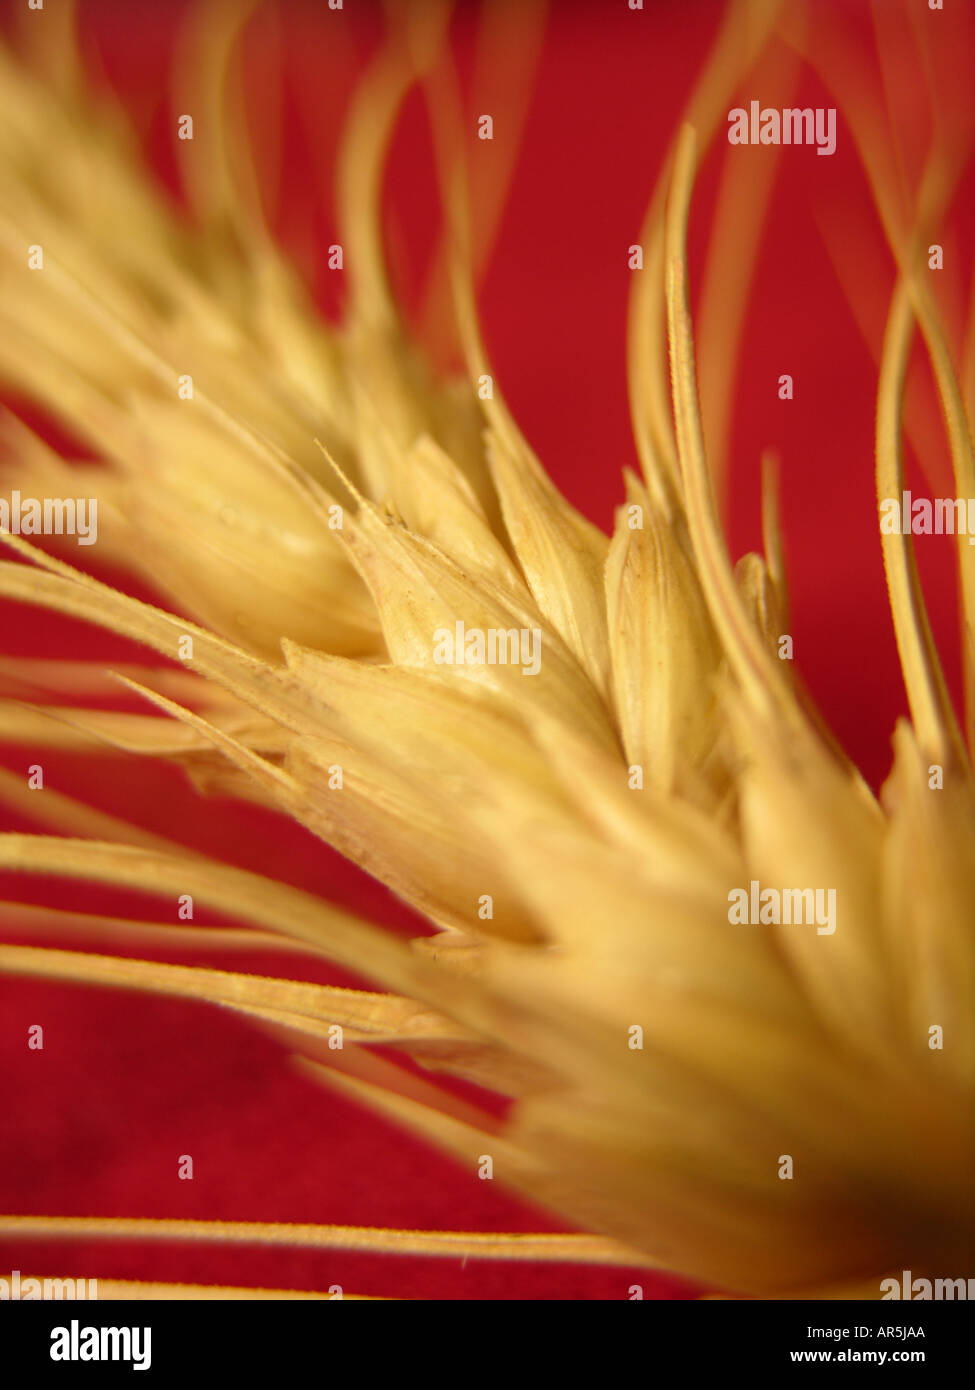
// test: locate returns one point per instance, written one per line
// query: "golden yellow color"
(416, 512)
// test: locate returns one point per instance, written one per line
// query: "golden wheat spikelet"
(568, 752)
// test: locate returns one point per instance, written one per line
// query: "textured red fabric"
(96, 1122)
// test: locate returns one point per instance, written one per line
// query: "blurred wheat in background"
(312, 502)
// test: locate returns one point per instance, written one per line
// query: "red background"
(125, 1084)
